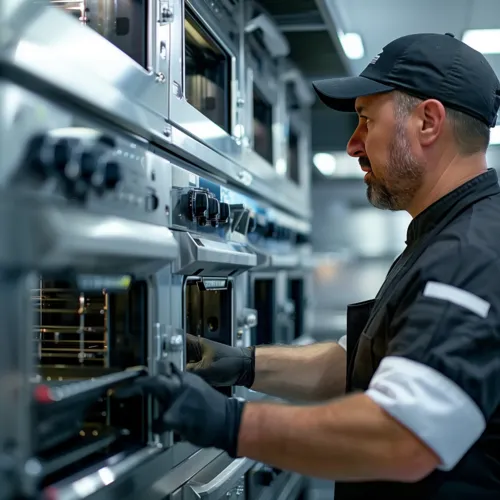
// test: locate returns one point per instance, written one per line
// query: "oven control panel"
(94, 169)
(196, 208)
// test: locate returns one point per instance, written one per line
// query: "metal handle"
(222, 483)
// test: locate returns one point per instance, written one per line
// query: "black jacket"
(440, 307)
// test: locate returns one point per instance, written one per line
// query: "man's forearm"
(304, 373)
(349, 439)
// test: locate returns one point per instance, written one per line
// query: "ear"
(432, 116)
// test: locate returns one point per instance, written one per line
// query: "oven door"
(203, 299)
(109, 55)
(203, 74)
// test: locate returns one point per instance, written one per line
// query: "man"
(421, 418)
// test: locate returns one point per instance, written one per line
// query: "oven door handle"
(221, 483)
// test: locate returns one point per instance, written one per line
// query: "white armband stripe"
(342, 342)
(458, 297)
(429, 404)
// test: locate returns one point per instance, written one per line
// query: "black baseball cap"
(426, 65)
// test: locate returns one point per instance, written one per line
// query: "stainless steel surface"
(39, 43)
(215, 258)
(212, 483)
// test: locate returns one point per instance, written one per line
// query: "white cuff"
(342, 342)
(431, 405)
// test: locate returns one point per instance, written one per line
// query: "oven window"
(264, 298)
(262, 126)
(297, 296)
(81, 336)
(122, 22)
(208, 74)
(208, 313)
(293, 156)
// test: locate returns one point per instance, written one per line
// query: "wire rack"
(71, 327)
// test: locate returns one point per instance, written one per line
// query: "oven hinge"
(165, 12)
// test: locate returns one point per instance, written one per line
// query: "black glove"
(219, 364)
(189, 406)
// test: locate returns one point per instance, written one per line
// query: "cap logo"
(376, 58)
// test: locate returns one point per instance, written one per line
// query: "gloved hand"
(219, 364)
(189, 406)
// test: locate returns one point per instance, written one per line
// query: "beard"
(402, 176)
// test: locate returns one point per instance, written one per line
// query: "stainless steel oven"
(204, 72)
(109, 56)
(82, 244)
(298, 100)
(123, 23)
(205, 279)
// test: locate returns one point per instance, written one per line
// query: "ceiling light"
(325, 163)
(352, 45)
(484, 41)
(495, 136)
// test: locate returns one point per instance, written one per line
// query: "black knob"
(213, 208)
(270, 230)
(224, 212)
(48, 156)
(200, 205)
(112, 174)
(88, 165)
(252, 224)
(61, 154)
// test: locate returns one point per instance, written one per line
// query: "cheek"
(377, 152)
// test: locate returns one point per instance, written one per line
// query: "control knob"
(270, 231)
(199, 207)
(213, 211)
(77, 158)
(252, 224)
(224, 213)
(112, 174)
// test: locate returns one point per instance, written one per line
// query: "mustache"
(364, 162)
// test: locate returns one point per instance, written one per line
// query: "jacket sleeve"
(441, 375)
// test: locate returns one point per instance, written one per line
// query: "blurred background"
(339, 38)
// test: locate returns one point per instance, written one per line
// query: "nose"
(356, 145)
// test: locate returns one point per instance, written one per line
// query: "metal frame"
(183, 114)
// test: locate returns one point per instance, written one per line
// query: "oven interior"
(208, 73)
(123, 23)
(208, 311)
(86, 342)
(262, 126)
(264, 299)
(297, 296)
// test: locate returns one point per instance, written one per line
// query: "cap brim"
(341, 93)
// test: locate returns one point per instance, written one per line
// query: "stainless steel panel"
(214, 258)
(217, 479)
(51, 44)
(56, 238)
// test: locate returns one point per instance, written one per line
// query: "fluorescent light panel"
(352, 45)
(484, 41)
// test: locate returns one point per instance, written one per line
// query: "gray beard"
(402, 177)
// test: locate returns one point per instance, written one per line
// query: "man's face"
(381, 143)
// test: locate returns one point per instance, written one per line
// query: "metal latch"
(165, 12)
